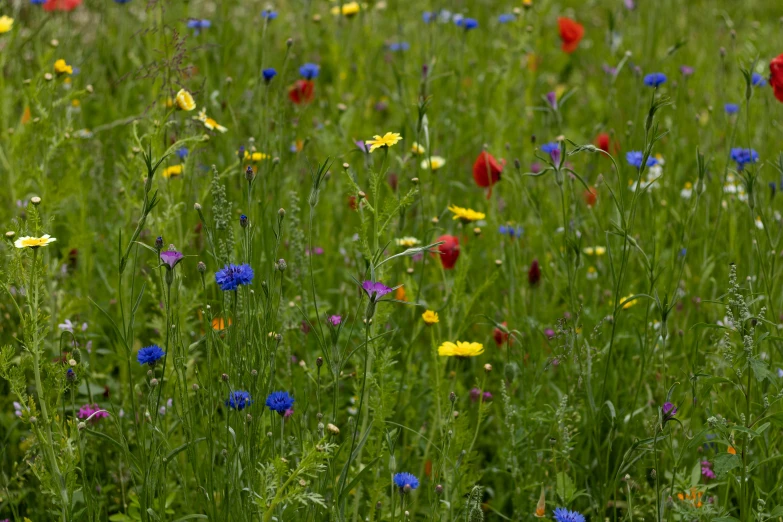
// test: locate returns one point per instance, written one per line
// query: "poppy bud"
(499, 335)
(487, 170)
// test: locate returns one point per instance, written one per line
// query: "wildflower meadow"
(466, 260)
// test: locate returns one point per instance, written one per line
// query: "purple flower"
(486, 396)
(550, 334)
(630, 4)
(335, 320)
(170, 258)
(375, 290)
(669, 410)
(551, 98)
(706, 470)
(608, 69)
(686, 70)
(92, 412)
(475, 393)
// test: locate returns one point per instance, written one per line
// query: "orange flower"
(571, 33)
(400, 295)
(218, 324)
(732, 451)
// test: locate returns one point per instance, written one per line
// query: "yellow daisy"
(60, 67)
(185, 100)
(407, 242)
(466, 214)
(348, 10)
(434, 163)
(417, 149)
(387, 140)
(34, 242)
(460, 349)
(430, 317)
(209, 122)
(173, 171)
(6, 24)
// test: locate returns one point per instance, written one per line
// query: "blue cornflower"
(406, 480)
(550, 148)
(744, 156)
(511, 231)
(268, 74)
(268, 15)
(150, 355)
(427, 16)
(635, 158)
(37, 2)
(399, 46)
(280, 402)
(231, 276)
(468, 23)
(655, 79)
(506, 17)
(115, 1)
(564, 515)
(238, 400)
(70, 374)
(182, 153)
(758, 80)
(309, 71)
(198, 25)
(731, 108)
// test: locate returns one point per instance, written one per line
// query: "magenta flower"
(92, 412)
(171, 257)
(669, 410)
(706, 470)
(475, 393)
(335, 320)
(375, 290)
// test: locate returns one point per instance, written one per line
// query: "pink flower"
(93, 412)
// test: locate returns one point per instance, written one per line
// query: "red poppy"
(534, 274)
(571, 33)
(604, 142)
(61, 5)
(449, 251)
(500, 336)
(302, 91)
(591, 196)
(487, 170)
(776, 76)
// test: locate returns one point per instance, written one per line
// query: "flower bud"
(35, 200)
(201, 267)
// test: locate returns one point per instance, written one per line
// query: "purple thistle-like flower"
(92, 412)
(170, 258)
(706, 470)
(335, 320)
(375, 290)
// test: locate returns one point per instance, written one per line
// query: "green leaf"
(725, 462)
(565, 487)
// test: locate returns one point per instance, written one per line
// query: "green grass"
(645, 297)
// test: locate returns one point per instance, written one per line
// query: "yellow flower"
(209, 122)
(6, 24)
(349, 9)
(527, 3)
(430, 317)
(173, 171)
(387, 140)
(185, 100)
(34, 242)
(628, 304)
(417, 149)
(255, 156)
(407, 242)
(60, 67)
(594, 251)
(436, 162)
(461, 349)
(466, 214)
